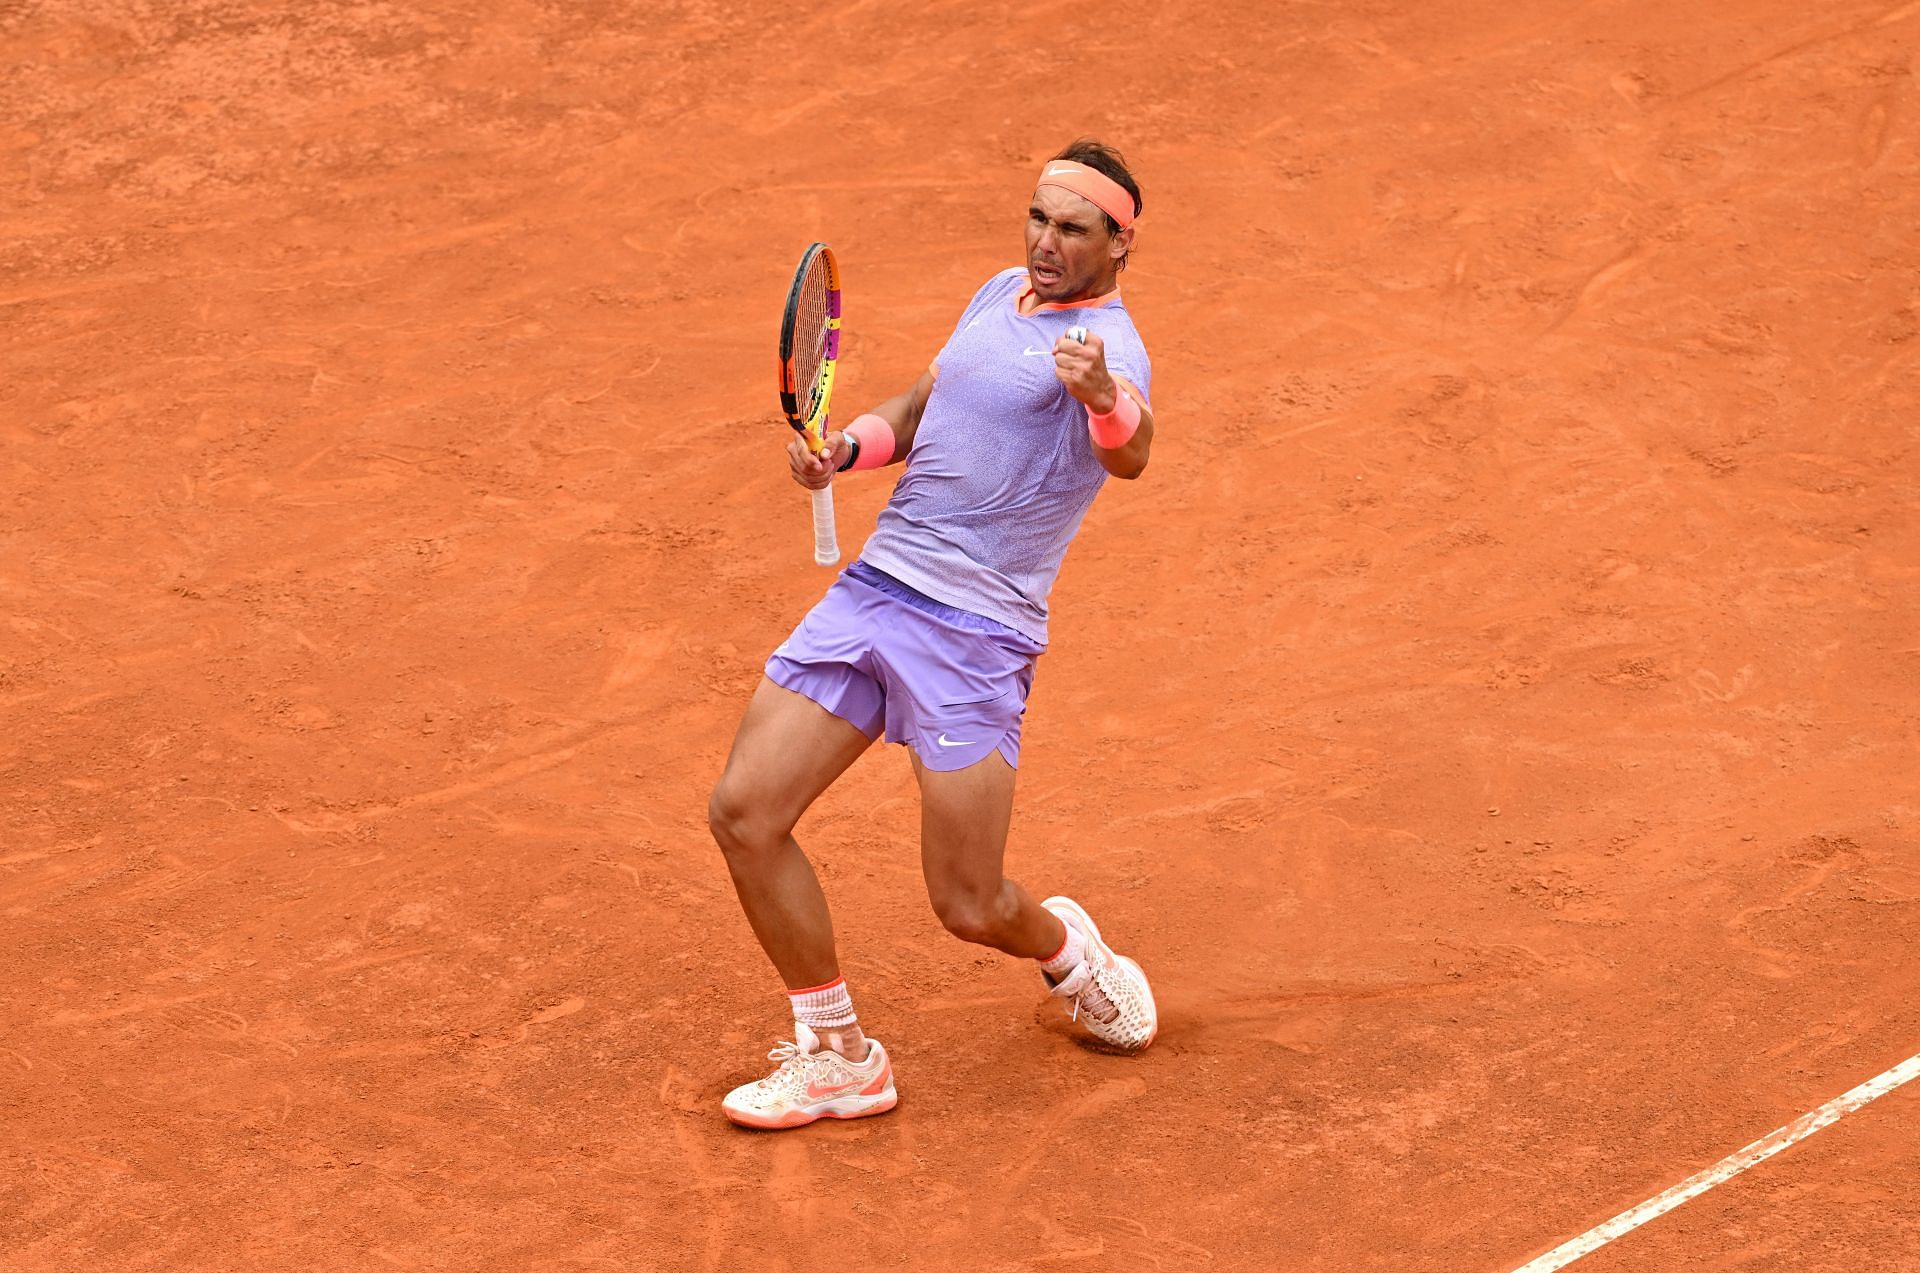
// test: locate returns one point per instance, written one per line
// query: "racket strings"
(810, 335)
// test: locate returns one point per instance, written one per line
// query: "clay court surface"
(1493, 721)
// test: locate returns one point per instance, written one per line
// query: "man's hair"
(1107, 161)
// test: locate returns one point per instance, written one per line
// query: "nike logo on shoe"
(944, 741)
(826, 1091)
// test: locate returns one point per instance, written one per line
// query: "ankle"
(1073, 949)
(849, 1041)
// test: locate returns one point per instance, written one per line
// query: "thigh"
(787, 751)
(964, 817)
(829, 659)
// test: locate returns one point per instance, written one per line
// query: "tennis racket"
(809, 352)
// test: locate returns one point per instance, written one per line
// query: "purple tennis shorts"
(950, 684)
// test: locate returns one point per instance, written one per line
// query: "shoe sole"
(842, 1107)
(1092, 930)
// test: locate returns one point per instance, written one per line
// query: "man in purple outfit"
(930, 638)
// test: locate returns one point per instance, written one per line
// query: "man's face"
(1070, 254)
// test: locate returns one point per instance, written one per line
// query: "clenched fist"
(1082, 368)
(815, 471)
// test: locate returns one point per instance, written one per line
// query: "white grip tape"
(1078, 335)
(826, 543)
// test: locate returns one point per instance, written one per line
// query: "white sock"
(1068, 957)
(823, 1008)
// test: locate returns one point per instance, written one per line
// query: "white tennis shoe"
(1109, 992)
(813, 1083)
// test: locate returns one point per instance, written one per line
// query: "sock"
(823, 1008)
(1068, 957)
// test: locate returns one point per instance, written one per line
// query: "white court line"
(1726, 1169)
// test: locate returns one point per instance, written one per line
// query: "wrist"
(872, 441)
(1111, 430)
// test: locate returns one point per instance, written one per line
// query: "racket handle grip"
(826, 541)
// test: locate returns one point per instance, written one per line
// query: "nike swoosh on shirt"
(944, 741)
(1032, 353)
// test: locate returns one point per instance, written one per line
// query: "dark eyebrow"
(1065, 223)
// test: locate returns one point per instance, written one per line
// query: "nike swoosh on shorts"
(944, 741)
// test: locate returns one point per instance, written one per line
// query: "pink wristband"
(875, 437)
(1112, 430)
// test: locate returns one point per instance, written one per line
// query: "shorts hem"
(786, 674)
(1008, 749)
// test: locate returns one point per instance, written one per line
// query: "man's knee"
(969, 916)
(739, 822)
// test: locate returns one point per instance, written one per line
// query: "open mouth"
(1044, 274)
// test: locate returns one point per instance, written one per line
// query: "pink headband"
(1098, 189)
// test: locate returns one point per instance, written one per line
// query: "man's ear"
(1122, 244)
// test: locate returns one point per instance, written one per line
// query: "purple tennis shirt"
(1002, 472)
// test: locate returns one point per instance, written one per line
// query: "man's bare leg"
(963, 837)
(787, 751)
(964, 817)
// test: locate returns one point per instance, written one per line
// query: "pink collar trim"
(1026, 290)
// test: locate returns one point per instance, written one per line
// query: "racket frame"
(813, 425)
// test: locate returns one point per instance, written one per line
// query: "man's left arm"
(1119, 421)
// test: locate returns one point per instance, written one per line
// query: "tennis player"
(930, 638)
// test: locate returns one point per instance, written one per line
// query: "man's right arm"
(902, 414)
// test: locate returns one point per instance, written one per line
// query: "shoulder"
(1115, 326)
(1126, 352)
(1115, 318)
(1003, 283)
(993, 291)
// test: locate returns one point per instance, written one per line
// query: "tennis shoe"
(812, 1082)
(1109, 993)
